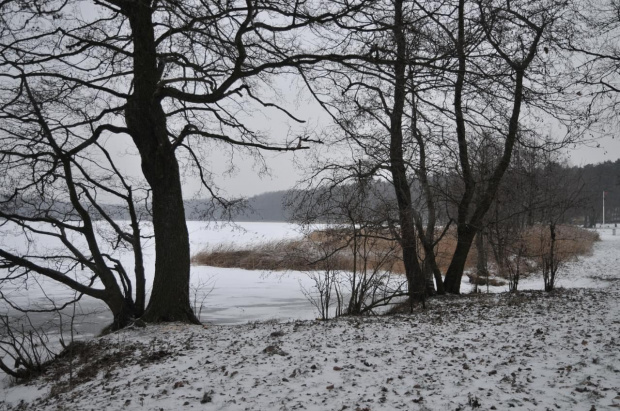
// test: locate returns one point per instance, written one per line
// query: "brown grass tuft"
(268, 256)
(482, 280)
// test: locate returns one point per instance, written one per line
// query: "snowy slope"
(530, 351)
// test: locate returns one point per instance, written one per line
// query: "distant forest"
(590, 182)
(262, 207)
(598, 179)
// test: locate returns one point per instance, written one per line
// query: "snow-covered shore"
(530, 351)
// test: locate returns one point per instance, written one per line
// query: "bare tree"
(432, 80)
(53, 185)
(537, 196)
(367, 98)
(357, 255)
(176, 79)
(513, 33)
(560, 193)
(597, 58)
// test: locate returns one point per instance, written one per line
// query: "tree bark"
(415, 276)
(123, 311)
(465, 237)
(481, 263)
(429, 277)
(146, 121)
(426, 235)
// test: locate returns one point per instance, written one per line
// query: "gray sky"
(285, 170)
(605, 149)
(246, 181)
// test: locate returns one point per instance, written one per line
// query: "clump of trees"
(445, 94)
(601, 184)
(535, 199)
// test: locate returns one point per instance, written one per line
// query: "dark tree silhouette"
(432, 80)
(174, 78)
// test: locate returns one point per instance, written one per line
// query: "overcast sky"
(285, 170)
(608, 150)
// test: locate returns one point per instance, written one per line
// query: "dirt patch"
(82, 362)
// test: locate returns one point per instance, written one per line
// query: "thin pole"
(603, 208)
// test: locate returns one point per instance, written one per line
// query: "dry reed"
(311, 252)
(570, 241)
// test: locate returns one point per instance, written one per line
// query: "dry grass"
(309, 252)
(319, 250)
(267, 256)
(535, 242)
(483, 280)
(298, 255)
(570, 241)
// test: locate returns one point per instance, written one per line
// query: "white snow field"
(529, 351)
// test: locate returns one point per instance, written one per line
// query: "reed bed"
(333, 248)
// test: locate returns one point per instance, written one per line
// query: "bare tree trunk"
(429, 277)
(170, 296)
(426, 234)
(550, 261)
(146, 122)
(481, 262)
(452, 282)
(123, 310)
(415, 276)
(465, 232)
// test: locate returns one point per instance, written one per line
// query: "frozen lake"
(239, 296)
(234, 295)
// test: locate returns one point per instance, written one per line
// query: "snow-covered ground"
(530, 351)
